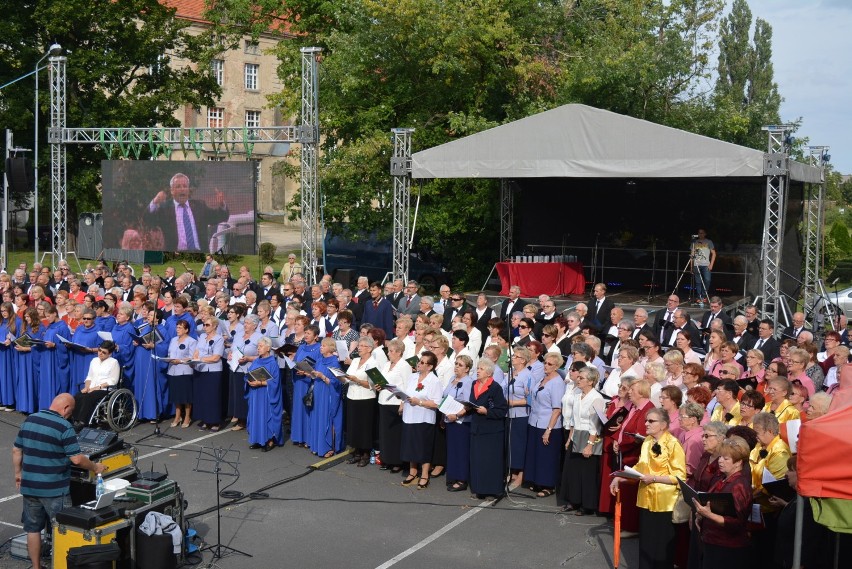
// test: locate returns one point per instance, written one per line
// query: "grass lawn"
(250, 261)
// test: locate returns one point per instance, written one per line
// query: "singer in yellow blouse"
(771, 453)
(661, 463)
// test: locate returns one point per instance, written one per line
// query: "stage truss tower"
(401, 172)
(813, 213)
(776, 170)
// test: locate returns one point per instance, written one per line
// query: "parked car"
(372, 257)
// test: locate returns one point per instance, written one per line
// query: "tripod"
(157, 433)
(688, 267)
(218, 455)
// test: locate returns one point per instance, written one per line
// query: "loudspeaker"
(19, 172)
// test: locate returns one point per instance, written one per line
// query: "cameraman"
(703, 259)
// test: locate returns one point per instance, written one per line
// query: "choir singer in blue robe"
(265, 409)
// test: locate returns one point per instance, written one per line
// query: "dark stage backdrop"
(632, 218)
(129, 186)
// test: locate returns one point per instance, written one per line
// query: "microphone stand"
(157, 433)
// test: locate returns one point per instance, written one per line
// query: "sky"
(812, 59)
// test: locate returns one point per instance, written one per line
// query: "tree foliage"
(746, 92)
(121, 72)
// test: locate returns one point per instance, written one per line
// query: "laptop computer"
(104, 501)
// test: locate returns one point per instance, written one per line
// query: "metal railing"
(659, 269)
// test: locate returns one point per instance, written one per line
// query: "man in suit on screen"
(184, 221)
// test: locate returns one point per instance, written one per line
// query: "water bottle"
(99, 487)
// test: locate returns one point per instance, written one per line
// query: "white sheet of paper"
(793, 427)
(105, 336)
(767, 476)
(234, 360)
(342, 349)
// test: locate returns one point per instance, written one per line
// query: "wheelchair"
(117, 409)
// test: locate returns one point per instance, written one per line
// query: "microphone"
(636, 436)
(834, 282)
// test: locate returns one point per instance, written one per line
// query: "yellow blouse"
(776, 461)
(671, 462)
(785, 412)
(719, 415)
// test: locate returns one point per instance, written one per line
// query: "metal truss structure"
(58, 159)
(507, 207)
(401, 172)
(776, 170)
(163, 141)
(813, 222)
(309, 137)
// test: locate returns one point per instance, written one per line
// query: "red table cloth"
(554, 279)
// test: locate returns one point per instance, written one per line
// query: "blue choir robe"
(53, 367)
(79, 363)
(326, 418)
(300, 421)
(8, 361)
(124, 354)
(150, 384)
(26, 372)
(171, 325)
(265, 406)
(105, 323)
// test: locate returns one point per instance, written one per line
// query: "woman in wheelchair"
(104, 372)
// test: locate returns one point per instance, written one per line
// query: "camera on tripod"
(695, 237)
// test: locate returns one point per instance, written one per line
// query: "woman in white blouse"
(360, 403)
(396, 371)
(583, 478)
(104, 372)
(419, 414)
(474, 343)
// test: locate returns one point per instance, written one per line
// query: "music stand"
(214, 459)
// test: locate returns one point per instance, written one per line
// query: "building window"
(252, 48)
(251, 76)
(215, 158)
(252, 123)
(217, 67)
(215, 117)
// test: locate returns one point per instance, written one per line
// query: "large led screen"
(203, 206)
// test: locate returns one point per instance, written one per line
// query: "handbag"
(681, 511)
(308, 398)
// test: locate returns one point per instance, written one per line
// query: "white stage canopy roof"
(578, 141)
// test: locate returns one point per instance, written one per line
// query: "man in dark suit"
(681, 321)
(766, 343)
(546, 316)
(362, 291)
(267, 286)
(483, 314)
(599, 309)
(797, 327)
(753, 322)
(184, 221)
(640, 323)
(396, 293)
(512, 304)
(742, 337)
(666, 315)
(378, 311)
(226, 279)
(458, 306)
(716, 312)
(356, 308)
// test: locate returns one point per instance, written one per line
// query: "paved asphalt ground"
(346, 516)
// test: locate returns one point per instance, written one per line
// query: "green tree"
(840, 235)
(746, 96)
(121, 72)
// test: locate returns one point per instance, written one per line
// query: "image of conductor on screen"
(185, 223)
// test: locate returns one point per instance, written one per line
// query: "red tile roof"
(193, 10)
